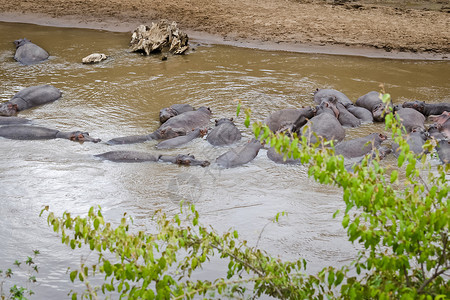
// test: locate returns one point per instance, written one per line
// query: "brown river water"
(123, 95)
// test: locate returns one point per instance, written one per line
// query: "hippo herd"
(331, 113)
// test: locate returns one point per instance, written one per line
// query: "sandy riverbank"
(354, 28)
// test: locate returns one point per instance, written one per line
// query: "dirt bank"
(306, 26)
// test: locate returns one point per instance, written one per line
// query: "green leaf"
(73, 274)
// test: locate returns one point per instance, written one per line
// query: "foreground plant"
(6, 279)
(400, 217)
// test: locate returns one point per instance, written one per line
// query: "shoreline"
(111, 24)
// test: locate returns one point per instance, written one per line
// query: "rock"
(161, 36)
(94, 58)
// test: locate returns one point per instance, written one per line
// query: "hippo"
(175, 126)
(411, 119)
(186, 160)
(172, 111)
(26, 132)
(279, 158)
(181, 140)
(346, 118)
(225, 133)
(28, 53)
(128, 156)
(30, 97)
(239, 155)
(324, 94)
(443, 150)
(285, 118)
(138, 156)
(13, 120)
(428, 109)
(442, 122)
(374, 104)
(324, 124)
(433, 131)
(361, 113)
(360, 146)
(416, 139)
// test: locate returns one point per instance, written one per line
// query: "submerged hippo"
(30, 97)
(225, 133)
(176, 126)
(138, 156)
(28, 53)
(25, 132)
(346, 118)
(360, 146)
(285, 118)
(185, 160)
(428, 108)
(278, 158)
(321, 95)
(172, 111)
(372, 101)
(13, 120)
(411, 119)
(239, 155)
(181, 140)
(128, 156)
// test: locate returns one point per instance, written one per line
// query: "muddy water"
(123, 95)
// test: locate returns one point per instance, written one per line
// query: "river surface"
(123, 95)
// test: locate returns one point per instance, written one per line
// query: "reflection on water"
(123, 95)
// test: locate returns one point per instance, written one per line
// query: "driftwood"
(161, 36)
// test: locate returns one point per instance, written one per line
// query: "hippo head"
(166, 113)
(378, 112)
(417, 105)
(440, 119)
(8, 109)
(381, 137)
(223, 121)
(21, 42)
(78, 136)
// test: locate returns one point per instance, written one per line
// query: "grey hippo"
(172, 111)
(442, 122)
(13, 120)
(321, 95)
(361, 113)
(30, 97)
(285, 118)
(181, 140)
(411, 119)
(239, 155)
(224, 133)
(372, 102)
(415, 139)
(138, 156)
(324, 124)
(428, 108)
(173, 127)
(26, 132)
(28, 53)
(360, 146)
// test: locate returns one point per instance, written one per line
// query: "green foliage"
(14, 291)
(400, 219)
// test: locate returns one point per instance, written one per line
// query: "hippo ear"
(231, 119)
(217, 121)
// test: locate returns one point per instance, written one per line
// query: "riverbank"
(352, 28)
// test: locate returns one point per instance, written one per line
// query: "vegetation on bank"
(399, 216)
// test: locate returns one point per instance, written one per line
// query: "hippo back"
(28, 53)
(34, 96)
(324, 94)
